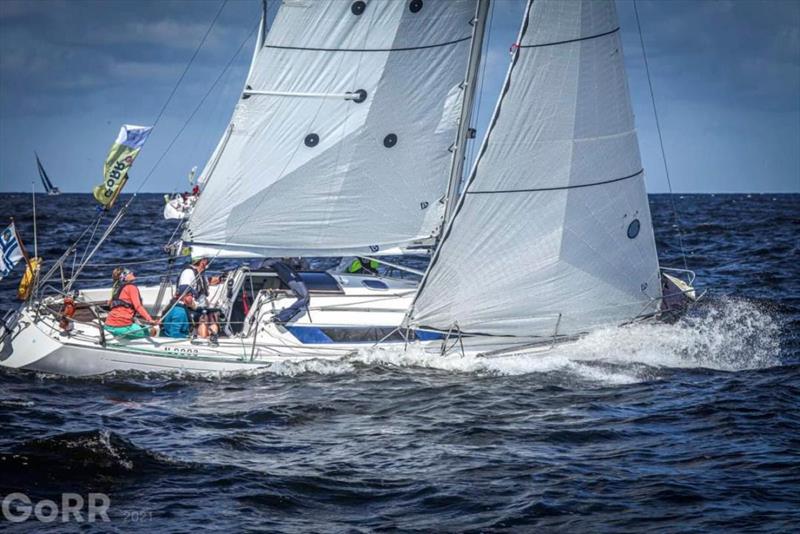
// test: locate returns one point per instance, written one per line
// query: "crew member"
(361, 266)
(177, 322)
(126, 304)
(193, 282)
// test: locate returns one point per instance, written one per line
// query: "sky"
(725, 74)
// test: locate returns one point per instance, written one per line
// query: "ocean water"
(692, 426)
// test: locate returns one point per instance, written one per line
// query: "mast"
(459, 154)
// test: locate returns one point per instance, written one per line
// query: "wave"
(76, 455)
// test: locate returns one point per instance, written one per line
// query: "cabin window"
(375, 284)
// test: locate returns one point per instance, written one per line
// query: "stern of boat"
(22, 342)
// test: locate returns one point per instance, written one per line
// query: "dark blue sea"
(685, 427)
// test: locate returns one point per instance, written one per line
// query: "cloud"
(733, 54)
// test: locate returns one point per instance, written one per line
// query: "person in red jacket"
(126, 304)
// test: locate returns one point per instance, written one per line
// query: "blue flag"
(10, 251)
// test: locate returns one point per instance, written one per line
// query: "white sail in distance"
(341, 143)
(553, 234)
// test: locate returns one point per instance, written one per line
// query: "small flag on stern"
(120, 158)
(10, 251)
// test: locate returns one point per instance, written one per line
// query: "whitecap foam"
(319, 367)
(729, 335)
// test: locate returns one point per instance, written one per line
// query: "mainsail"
(553, 234)
(46, 183)
(341, 143)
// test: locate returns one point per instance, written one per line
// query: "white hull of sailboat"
(37, 345)
(32, 349)
(35, 340)
(177, 208)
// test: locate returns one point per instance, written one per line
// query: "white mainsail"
(553, 233)
(341, 143)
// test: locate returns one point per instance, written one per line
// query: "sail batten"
(553, 235)
(340, 143)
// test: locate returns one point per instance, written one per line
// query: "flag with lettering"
(120, 158)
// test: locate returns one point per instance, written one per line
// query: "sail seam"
(402, 49)
(615, 30)
(534, 190)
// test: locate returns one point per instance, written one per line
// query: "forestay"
(341, 141)
(554, 231)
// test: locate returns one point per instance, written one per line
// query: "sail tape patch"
(534, 190)
(402, 49)
(615, 30)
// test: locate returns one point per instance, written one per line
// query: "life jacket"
(67, 312)
(117, 302)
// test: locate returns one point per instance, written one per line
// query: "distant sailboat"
(180, 205)
(48, 185)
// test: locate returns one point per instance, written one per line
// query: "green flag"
(120, 158)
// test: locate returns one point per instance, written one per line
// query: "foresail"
(553, 234)
(341, 143)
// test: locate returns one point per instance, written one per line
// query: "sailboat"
(348, 140)
(180, 205)
(49, 188)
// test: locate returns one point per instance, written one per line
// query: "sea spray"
(728, 334)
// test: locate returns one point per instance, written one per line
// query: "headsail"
(341, 142)
(554, 230)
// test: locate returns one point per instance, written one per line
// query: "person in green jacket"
(363, 266)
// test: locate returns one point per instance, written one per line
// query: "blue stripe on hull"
(355, 334)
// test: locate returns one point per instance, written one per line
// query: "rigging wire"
(189, 64)
(660, 138)
(194, 112)
(85, 259)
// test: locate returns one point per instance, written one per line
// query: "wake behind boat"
(550, 239)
